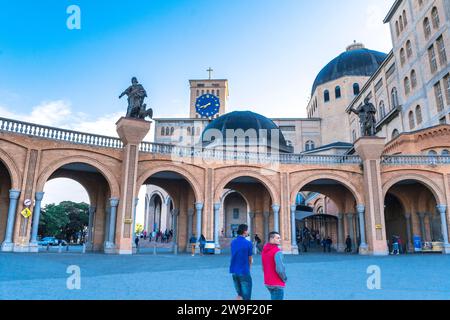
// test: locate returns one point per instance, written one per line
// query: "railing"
(46, 132)
(415, 160)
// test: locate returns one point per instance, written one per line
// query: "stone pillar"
(107, 222)
(266, 227)
(422, 226)
(189, 227)
(199, 209)
(370, 149)
(8, 244)
(250, 219)
(294, 246)
(363, 247)
(409, 241)
(131, 132)
(90, 232)
(442, 211)
(276, 217)
(341, 236)
(110, 246)
(217, 249)
(175, 214)
(351, 230)
(36, 216)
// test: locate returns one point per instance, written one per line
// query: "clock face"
(207, 105)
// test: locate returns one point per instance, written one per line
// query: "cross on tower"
(210, 71)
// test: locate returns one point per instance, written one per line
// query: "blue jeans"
(276, 293)
(243, 285)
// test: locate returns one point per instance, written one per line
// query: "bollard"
(59, 248)
(84, 248)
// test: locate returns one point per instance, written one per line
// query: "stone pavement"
(165, 276)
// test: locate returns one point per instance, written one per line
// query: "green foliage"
(139, 228)
(64, 221)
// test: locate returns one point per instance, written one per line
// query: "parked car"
(52, 241)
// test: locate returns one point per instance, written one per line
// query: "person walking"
(136, 241)
(202, 241)
(258, 244)
(348, 244)
(193, 242)
(241, 262)
(395, 249)
(273, 267)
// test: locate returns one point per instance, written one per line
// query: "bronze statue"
(136, 106)
(366, 113)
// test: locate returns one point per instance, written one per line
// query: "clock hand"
(205, 106)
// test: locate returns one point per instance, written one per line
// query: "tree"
(66, 221)
(139, 228)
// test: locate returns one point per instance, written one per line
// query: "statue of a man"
(366, 114)
(136, 95)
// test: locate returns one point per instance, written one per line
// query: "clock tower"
(203, 90)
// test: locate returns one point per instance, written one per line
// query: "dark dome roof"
(246, 120)
(356, 61)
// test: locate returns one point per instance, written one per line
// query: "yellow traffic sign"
(26, 212)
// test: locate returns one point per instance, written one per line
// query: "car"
(52, 241)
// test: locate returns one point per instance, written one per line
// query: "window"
(401, 23)
(326, 96)
(438, 96)
(172, 130)
(411, 120)
(379, 85)
(426, 28)
(405, 20)
(394, 95)
(447, 87)
(397, 29)
(395, 133)
(382, 111)
(193, 131)
(432, 153)
(355, 89)
(310, 145)
(167, 131)
(203, 92)
(402, 56)
(189, 131)
(445, 153)
(441, 51)
(163, 131)
(198, 93)
(218, 92)
(443, 120)
(419, 115)
(432, 58)
(235, 214)
(407, 86)
(413, 79)
(337, 92)
(435, 18)
(409, 51)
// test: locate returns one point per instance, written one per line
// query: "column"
(266, 227)
(350, 229)
(430, 221)
(216, 228)
(422, 225)
(294, 245)
(189, 227)
(341, 236)
(175, 214)
(363, 247)
(133, 244)
(107, 222)
(36, 216)
(251, 218)
(109, 245)
(8, 245)
(442, 209)
(276, 217)
(199, 208)
(89, 241)
(409, 241)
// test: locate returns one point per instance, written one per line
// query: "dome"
(247, 120)
(356, 61)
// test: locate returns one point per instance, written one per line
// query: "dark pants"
(276, 293)
(243, 285)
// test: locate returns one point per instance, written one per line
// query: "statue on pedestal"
(366, 113)
(136, 93)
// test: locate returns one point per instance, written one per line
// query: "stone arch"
(229, 192)
(428, 183)
(13, 171)
(172, 168)
(82, 182)
(329, 176)
(107, 174)
(246, 173)
(158, 193)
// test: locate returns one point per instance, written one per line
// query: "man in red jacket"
(273, 267)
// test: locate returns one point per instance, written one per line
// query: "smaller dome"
(247, 120)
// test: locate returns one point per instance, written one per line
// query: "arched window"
(402, 56)
(397, 29)
(407, 85)
(309, 145)
(355, 89)
(413, 79)
(382, 110)
(409, 51)
(326, 96)
(172, 130)
(432, 153)
(163, 131)
(193, 131)
(394, 96)
(337, 92)
(189, 131)
(435, 18)
(419, 115)
(401, 23)
(405, 19)
(445, 152)
(395, 134)
(167, 131)
(218, 92)
(426, 27)
(198, 93)
(411, 120)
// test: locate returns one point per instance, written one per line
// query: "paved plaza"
(166, 276)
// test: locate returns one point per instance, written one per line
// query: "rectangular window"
(447, 88)
(439, 98)
(441, 50)
(287, 128)
(235, 214)
(201, 85)
(432, 58)
(390, 71)
(378, 85)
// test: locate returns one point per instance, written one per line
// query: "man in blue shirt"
(241, 261)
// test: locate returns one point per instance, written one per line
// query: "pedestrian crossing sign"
(26, 212)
